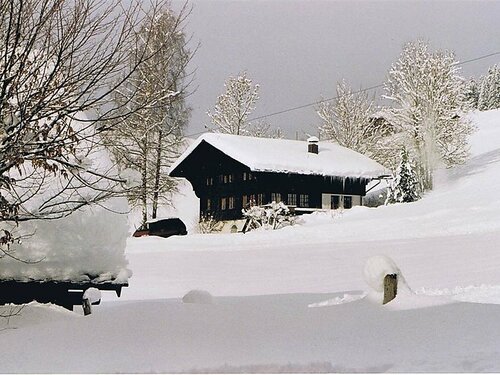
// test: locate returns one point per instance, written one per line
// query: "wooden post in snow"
(390, 287)
(87, 306)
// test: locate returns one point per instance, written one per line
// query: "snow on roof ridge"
(289, 156)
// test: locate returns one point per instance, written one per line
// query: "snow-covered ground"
(296, 299)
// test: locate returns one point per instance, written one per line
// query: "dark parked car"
(162, 228)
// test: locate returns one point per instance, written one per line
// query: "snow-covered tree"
(147, 141)
(347, 121)
(427, 95)
(60, 61)
(404, 186)
(471, 93)
(262, 129)
(231, 112)
(489, 93)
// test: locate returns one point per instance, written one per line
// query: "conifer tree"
(404, 186)
(489, 94)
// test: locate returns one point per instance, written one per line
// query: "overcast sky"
(297, 50)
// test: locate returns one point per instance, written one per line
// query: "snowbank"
(87, 244)
(198, 296)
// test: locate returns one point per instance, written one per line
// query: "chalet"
(228, 172)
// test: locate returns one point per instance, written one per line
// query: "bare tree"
(428, 96)
(149, 139)
(60, 61)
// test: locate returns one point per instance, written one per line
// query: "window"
(276, 197)
(260, 199)
(223, 203)
(226, 178)
(347, 201)
(209, 204)
(335, 202)
(292, 199)
(230, 201)
(244, 201)
(251, 200)
(304, 200)
(210, 181)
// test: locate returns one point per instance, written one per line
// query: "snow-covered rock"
(198, 296)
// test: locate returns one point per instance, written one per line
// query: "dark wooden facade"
(225, 186)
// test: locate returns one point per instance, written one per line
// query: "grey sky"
(298, 49)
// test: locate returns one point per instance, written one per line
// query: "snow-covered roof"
(289, 156)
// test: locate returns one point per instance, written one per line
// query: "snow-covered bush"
(209, 224)
(271, 216)
(198, 296)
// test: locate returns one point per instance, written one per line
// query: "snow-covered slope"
(294, 299)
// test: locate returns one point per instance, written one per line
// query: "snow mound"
(377, 267)
(198, 296)
(92, 294)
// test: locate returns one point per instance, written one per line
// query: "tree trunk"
(144, 174)
(156, 189)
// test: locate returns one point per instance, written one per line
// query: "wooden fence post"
(390, 287)
(87, 306)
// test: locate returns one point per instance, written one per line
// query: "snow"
(93, 295)
(288, 156)
(88, 244)
(377, 267)
(296, 299)
(198, 296)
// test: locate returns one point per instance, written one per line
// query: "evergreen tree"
(471, 93)
(404, 186)
(489, 94)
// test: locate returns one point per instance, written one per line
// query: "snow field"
(296, 299)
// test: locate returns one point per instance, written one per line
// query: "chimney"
(312, 145)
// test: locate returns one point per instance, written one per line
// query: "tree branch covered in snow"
(271, 216)
(60, 62)
(428, 103)
(152, 112)
(233, 108)
(348, 121)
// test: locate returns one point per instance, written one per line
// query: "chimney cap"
(313, 139)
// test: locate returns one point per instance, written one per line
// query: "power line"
(335, 97)
(356, 92)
